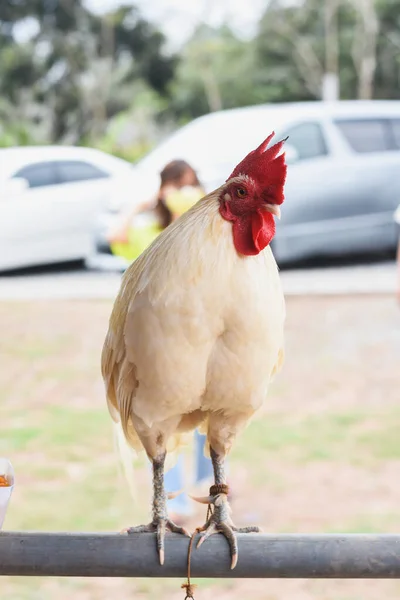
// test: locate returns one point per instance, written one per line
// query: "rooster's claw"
(220, 522)
(160, 526)
(228, 531)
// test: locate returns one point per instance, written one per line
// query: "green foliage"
(77, 70)
(287, 58)
(217, 70)
(292, 49)
(132, 152)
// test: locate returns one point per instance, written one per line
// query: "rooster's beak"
(274, 209)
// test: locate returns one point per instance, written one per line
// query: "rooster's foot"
(159, 526)
(220, 522)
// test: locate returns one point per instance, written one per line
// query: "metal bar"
(260, 556)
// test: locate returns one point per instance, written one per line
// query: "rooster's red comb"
(265, 167)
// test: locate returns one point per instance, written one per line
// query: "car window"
(396, 132)
(78, 170)
(39, 174)
(366, 135)
(308, 140)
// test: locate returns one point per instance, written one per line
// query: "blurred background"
(95, 98)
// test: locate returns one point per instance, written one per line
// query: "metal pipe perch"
(260, 556)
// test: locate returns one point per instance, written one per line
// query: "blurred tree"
(79, 65)
(130, 133)
(359, 39)
(364, 46)
(290, 50)
(217, 70)
(387, 79)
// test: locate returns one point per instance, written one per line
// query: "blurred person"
(180, 508)
(179, 190)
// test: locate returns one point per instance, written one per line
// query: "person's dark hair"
(172, 173)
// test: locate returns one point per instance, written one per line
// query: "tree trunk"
(331, 37)
(331, 77)
(364, 47)
(212, 90)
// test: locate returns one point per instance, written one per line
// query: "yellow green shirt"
(145, 230)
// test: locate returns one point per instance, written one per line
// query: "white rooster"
(196, 332)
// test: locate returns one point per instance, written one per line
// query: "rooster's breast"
(245, 355)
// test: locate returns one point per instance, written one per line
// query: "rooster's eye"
(241, 192)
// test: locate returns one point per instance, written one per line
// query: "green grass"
(64, 455)
(369, 523)
(32, 349)
(360, 438)
(54, 429)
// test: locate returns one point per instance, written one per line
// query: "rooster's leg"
(220, 519)
(160, 522)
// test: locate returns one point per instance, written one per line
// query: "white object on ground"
(5, 492)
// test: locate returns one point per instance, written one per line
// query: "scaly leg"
(220, 520)
(160, 522)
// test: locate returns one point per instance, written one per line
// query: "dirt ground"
(322, 456)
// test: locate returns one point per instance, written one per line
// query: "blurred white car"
(49, 200)
(343, 183)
